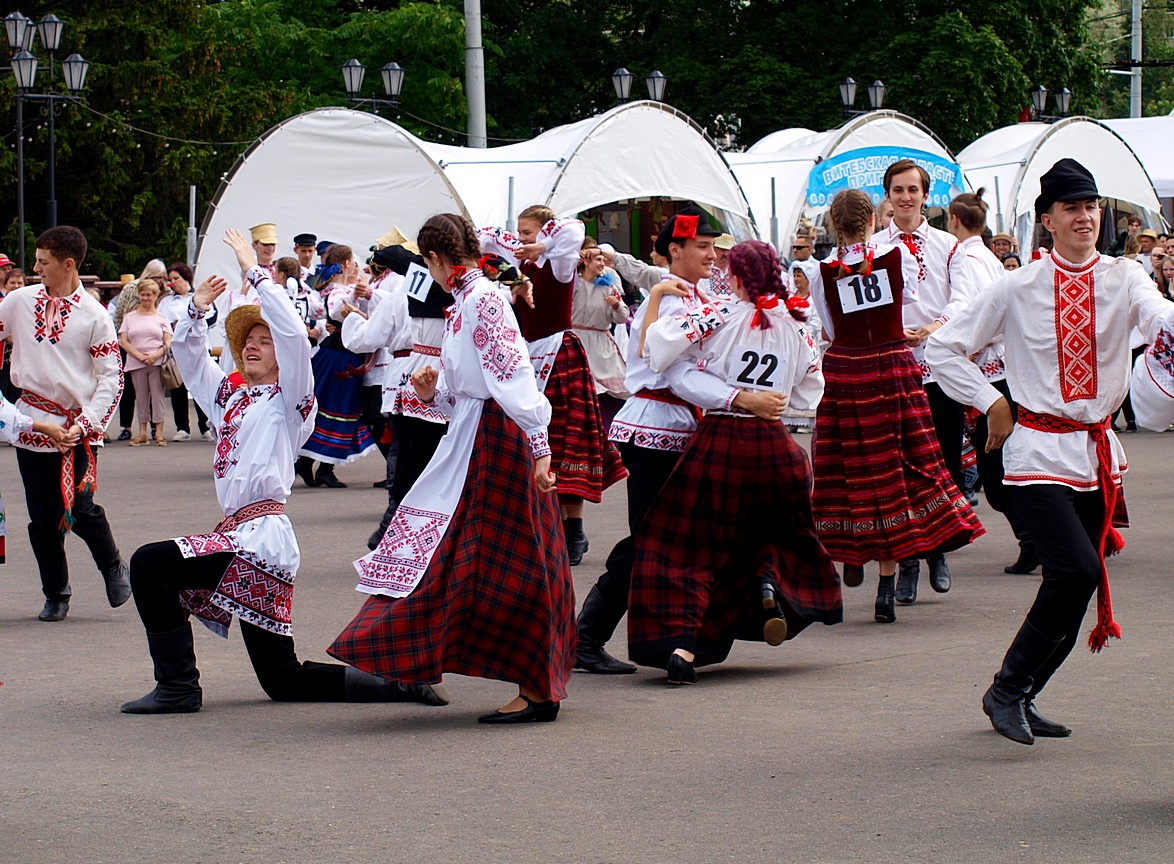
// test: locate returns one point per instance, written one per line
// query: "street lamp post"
(621, 79)
(353, 73)
(1039, 103)
(656, 82)
(20, 32)
(876, 96)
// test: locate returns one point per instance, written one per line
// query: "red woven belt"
(401, 353)
(1110, 540)
(426, 349)
(69, 488)
(248, 513)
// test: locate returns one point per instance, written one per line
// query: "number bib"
(864, 291)
(754, 369)
(417, 281)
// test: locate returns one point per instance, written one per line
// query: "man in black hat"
(1065, 322)
(304, 248)
(651, 430)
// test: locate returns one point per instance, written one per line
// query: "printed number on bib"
(417, 281)
(754, 369)
(862, 291)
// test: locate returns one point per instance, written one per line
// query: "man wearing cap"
(304, 248)
(1148, 238)
(5, 265)
(1065, 324)
(247, 564)
(651, 429)
(719, 280)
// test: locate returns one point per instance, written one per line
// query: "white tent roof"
(1010, 161)
(854, 154)
(1149, 138)
(348, 176)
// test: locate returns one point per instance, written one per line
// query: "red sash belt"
(427, 350)
(248, 513)
(667, 396)
(1110, 541)
(401, 353)
(89, 481)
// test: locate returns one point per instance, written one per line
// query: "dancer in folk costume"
(944, 287)
(472, 575)
(882, 492)
(340, 434)
(546, 250)
(65, 360)
(729, 550)
(247, 564)
(801, 275)
(1065, 322)
(652, 429)
(598, 309)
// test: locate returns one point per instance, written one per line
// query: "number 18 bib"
(862, 291)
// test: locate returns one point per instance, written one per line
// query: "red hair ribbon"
(457, 274)
(762, 303)
(796, 302)
(685, 227)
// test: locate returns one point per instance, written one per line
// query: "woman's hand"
(207, 292)
(672, 285)
(524, 290)
(424, 383)
(347, 309)
(913, 337)
(530, 252)
(362, 291)
(765, 404)
(543, 477)
(64, 439)
(613, 300)
(245, 256)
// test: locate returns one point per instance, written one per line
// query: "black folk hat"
(1067, 180)
(305, 240)
(686, 224)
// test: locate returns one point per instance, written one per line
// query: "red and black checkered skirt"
(882, 491)
(581, 455)
(736, 510)
(497, 599)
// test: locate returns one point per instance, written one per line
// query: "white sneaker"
(181, 436)
(208, 436)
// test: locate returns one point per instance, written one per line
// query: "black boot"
(177, 690)
(1004, 700)
(117, 579)
(886, 612)
(1026, 562)
(576, 540)
(597, 621)
(304, 468)
(360, 686)
(939, 573)
(909, 573)
(326, 477)
(1042, 727)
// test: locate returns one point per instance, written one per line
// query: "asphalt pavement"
(860, 742)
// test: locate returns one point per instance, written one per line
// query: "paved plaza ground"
(855, 743)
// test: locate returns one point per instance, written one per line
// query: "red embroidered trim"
(426, 350)
(103, 349)
(1076, 334)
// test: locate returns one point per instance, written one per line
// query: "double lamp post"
(21, 33)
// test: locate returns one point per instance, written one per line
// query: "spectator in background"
(1154, 259)
(1164, 276)
(1011, 261)
(6, 264)
(175, 304)
(1002, 244)
(802, 248)
(14, 279)
(884, 214)
(1132, 229)
(145, 336)
(1149, 239)
(1132, 248)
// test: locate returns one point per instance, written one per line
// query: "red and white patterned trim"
(539, 443)
(1076, 332)
(104, 349)
(648, 437)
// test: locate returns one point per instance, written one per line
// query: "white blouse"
(387, 328)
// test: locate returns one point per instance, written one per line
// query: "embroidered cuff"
(729, 403)
(539, 443)
(195, 312)
(24, 423)
(87, 426)
(256, 276)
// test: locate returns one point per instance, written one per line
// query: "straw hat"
(237, 326)
(724, 241)
(1002, 236)
(395, 237)
(266, 232)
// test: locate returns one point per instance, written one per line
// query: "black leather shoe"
(329, 480)
(577, 543)
(534, 712)
(117, 580)
(906, 590)
(1025, 563)
(774, 629)
(1131, 426)
(379, 484)
(680, 671)
(124, 435)
(54, 610)
(1041, 726)
(304, 468)
(886, 611)
(373, 540)
(853, 575)
(1007, 715)
(939, 574)
(597, 661)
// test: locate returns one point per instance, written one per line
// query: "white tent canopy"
(1010, 161)
(348, 176)
(806, 170)
(1149, 138)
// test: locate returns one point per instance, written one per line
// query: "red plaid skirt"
(497, 599)
(736, 510)
(882, 491)
(581, 455)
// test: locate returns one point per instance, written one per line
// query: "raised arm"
(201, 375)
(562, 240)
(380, 329)
(668, 337)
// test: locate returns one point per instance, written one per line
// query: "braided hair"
(756, 264)
(451, 236)
(851, 213)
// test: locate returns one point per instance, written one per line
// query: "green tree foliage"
(179, 88)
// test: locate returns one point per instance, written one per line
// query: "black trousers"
(990, 469)
(648, 471)
(126, 405)
(158, 571)
(41, 475)
(1064, 525)
(949, 421)
(179, 411)
(418, 440)
(372, 414)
